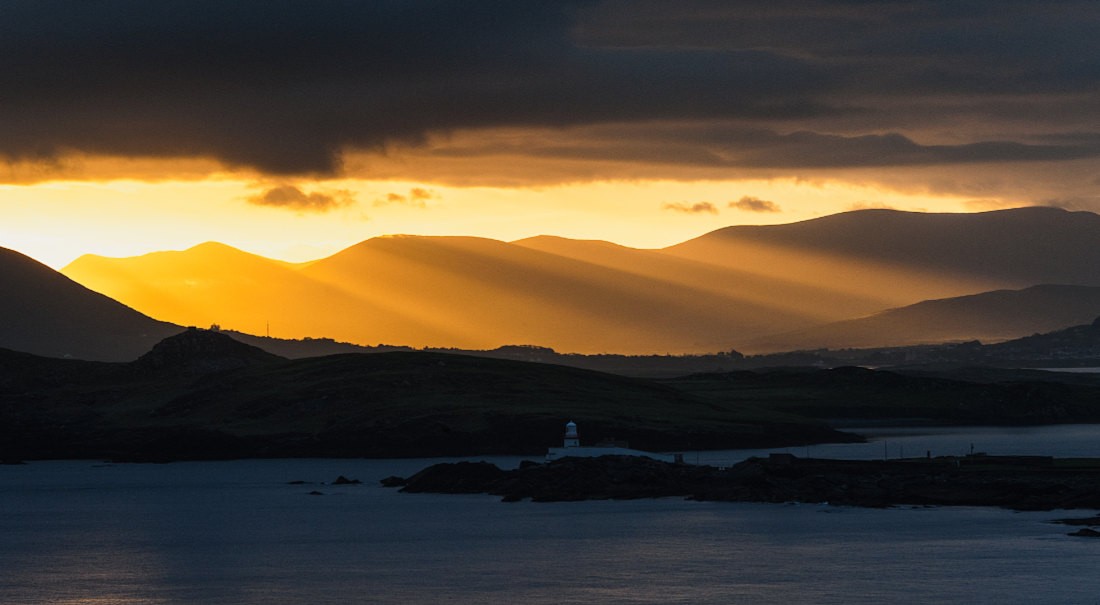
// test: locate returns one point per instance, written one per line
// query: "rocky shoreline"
(1015, 482)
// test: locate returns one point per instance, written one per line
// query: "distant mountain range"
(896, 279)
(737, 287)
(469, 293)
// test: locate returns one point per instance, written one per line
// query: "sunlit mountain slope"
(217, 284)
(48, 314)
(771, 290)
(437, 291)
(719, 291)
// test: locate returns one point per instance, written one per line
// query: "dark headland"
(202, 395)
(1015, 482)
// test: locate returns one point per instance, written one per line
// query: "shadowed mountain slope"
(48, 314)
(989, 317)
(906, 257)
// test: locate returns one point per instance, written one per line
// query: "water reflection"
(239, 532)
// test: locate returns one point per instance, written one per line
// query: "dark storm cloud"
(293, 198)
(287, 87)
(720, 145)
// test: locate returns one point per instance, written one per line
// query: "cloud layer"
(292, 198)
(754, 204)
(298, 88)
(686, 208)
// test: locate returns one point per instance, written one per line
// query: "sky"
(295, 129)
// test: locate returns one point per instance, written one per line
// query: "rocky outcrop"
(1085, 532)
(1022, 483)
(196, 351)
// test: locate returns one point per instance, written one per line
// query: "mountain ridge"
(723, 290)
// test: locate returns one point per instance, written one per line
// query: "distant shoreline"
(1014, 482)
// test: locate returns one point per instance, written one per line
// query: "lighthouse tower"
(571, 438)
(572, 448)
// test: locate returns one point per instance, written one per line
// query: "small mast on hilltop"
(571, 446)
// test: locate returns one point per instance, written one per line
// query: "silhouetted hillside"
(1076, 342)
(1021, 246)
(195, 351)
(48, 314)
(201, 395)
(959, 396)
(988, 317)
(907, 257)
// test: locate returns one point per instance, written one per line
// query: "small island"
(1015, 482)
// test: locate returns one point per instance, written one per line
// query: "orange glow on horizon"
(57, 221)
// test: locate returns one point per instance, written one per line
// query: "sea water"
(84, 532)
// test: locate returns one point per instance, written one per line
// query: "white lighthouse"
(571, 446)
(571, 438)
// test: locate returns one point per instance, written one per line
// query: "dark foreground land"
(1016, 482)
(203, 395)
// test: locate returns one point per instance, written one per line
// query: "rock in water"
(456, 478)
(1085, 532)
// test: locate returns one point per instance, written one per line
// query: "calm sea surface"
(82, 532)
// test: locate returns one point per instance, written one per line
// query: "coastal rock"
(456, 478)
(1018, 482)
(1082, 521)
(1085, 532)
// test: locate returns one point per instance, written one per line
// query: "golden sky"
(57, 221)
(298, 130)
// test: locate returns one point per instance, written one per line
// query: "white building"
(571, 446)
